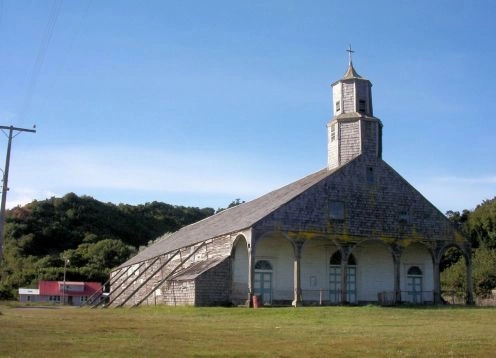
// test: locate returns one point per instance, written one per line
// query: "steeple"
(353, 130)
(350, 72)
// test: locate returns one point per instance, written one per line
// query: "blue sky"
(201, 102)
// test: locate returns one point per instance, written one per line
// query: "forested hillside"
(93, 237)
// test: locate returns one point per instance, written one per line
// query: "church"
(355, 232)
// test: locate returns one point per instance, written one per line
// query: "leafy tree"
(482, 224)
(233, 203)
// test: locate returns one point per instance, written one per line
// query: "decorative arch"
(239, 238)
(467, 256)
(240, 266)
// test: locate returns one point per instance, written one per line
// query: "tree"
(482, 224)
(233, 203)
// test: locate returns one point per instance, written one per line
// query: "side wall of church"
(180, 293)
(213, 286)
(140, 280)
(209, 288)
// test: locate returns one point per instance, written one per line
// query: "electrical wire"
(40, 57)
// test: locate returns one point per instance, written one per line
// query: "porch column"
(397, 274)
(345, 254)
(297, 301)
(251, 274)
(437, 281)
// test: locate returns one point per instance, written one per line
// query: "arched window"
(336, 259)
(414, 271)
(263, 265)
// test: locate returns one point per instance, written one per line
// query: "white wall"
(240, 271)
(279, 252)
(315, 269)
(417, 255)
(375, 270)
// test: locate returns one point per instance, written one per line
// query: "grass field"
(231, 332)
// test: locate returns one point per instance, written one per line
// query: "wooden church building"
(354, 232)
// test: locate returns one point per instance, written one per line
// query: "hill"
(93, 237)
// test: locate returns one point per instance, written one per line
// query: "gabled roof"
(230, 220)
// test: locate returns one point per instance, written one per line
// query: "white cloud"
(457, 193)
(466, 180)
(41, 174)
(120, 174)
(23, 196)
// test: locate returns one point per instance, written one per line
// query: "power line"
(40, 57)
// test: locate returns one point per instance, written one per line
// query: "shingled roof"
(230, 220)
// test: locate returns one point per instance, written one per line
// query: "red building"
(68, 292)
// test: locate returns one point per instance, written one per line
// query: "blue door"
(414, 285)
(335, 284)
(335, 279)
(263, 281)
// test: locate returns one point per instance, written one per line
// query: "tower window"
(338, 106)
(361, 106)
(370, 175)
(404, 216)
(336, 210)
(333, 132)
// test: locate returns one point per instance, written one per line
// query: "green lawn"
(232, 332)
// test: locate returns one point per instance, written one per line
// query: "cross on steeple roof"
(350, 72)
(350, 51)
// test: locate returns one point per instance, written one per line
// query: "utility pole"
(5, 187)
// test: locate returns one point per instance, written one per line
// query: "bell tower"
(353, 130)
